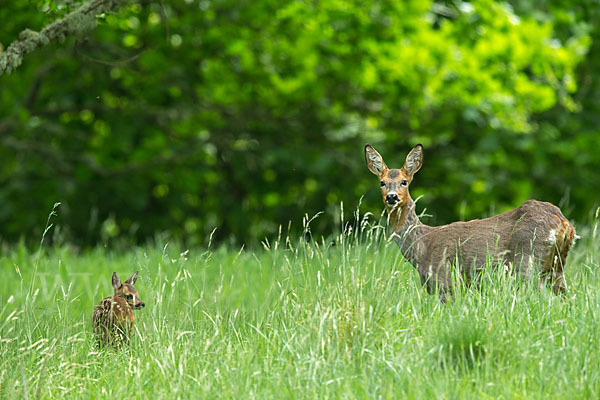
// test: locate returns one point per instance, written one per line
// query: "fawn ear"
(116, 282)
(374, 160)
(414, 160)
(132, 279)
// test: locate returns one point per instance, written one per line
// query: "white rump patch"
(552, 237)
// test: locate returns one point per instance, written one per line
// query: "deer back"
(522, 238)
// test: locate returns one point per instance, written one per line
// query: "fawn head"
(394, 182)
(127, 291)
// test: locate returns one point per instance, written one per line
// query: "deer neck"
(408, 231)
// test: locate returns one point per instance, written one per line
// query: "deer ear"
(414, 160)
(116, 282)
(374, 160)
(132, 279)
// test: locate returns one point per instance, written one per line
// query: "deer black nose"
(141, 304)
(391, 198)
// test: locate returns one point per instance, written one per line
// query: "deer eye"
(404, 182)
(129, 297)
(382, 183)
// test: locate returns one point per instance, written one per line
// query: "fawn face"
(394, 182)
(127, 291)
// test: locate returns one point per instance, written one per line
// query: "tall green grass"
(339, 318)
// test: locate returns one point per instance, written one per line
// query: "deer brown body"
(113, 317)
(532, 239)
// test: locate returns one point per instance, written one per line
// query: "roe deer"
(113, 317)
(533, 238)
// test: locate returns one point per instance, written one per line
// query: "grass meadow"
(344, 317)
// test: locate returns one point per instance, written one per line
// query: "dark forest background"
(178, 117)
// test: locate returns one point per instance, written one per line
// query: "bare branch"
(114, 63)
(40, 74)
(77, 22)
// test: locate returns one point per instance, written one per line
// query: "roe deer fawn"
(113, 317)
(533, 238)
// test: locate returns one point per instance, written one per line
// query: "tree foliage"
(188, 115)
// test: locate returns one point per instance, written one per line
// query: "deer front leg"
(437, 280)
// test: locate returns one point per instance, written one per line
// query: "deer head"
(127, 291)
(394, 182)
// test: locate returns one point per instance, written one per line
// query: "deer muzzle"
(392, 198)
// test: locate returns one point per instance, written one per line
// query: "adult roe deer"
(532, 238)
(113, 317)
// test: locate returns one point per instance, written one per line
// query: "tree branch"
(77, 22)
(113, 63)
(40, 74)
